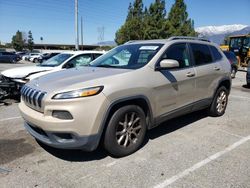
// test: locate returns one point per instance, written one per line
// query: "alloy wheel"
(221, 101)
(128, 129)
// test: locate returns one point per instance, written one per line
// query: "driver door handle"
(190, 74)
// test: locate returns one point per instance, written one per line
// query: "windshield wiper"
(107, 66)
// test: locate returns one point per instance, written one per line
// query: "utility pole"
(41, 38)
(76, 25)
(81, 34)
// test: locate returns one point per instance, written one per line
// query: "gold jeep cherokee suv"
(125, 92)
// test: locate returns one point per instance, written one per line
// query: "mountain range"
(217, 34)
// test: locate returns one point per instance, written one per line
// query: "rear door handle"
(190, 74)
(217, 68)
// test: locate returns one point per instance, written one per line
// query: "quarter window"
(201, 54)
(179, 53)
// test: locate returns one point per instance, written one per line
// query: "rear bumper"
(63, 140)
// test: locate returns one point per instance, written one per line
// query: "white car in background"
(21, 75)
(26, 57)
(34, 58)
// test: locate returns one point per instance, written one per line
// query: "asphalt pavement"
(190, 151)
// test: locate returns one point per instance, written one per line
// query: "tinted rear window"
(216, 54)
(201, 54)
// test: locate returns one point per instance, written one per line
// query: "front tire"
(219, 103)
(125, 131)
(35, 60)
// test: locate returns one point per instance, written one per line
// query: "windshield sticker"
(149, 48)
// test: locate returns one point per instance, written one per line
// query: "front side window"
(81, 60)
(246, 42)
(201, 54)
(56, 60)
(96, 55)
(130, 56)
(236, 43)
(179, 53)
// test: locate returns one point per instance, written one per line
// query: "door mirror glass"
(169, 63)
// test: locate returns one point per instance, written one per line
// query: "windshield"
(130, 56)
(56, 60)
(246, 42)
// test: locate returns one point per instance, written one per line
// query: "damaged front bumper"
(10, 87)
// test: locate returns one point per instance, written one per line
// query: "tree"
(178, 21)
(152, 22)
(17, 41)
(155, 26)
(30, 44)
(132, 29)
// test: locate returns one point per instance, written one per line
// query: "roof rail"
(188, 38)
(130, 41)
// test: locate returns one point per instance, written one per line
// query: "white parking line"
(226, 132)
(202, 163)
(6, 119)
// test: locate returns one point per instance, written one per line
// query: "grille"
(33, 98)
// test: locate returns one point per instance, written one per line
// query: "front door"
(178, 84)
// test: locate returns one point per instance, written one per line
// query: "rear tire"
(125, 131)
(219, 103)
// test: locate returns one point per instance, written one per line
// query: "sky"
(54, 19)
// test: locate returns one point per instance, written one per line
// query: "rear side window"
(201, 54)
(179, 53)
(216, 54)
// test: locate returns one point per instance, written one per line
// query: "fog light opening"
(62, 114)
(64, 136)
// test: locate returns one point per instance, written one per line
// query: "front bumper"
(83, 131)
(63, 140)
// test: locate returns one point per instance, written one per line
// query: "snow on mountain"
(212, 30)
(218, 33)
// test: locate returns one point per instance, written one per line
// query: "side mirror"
(69, 65)
(168, 64)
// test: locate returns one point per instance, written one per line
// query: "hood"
(74, 78)
(21, 72)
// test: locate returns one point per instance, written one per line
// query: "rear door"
(207, 69)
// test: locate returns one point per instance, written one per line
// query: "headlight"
(79, 93)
